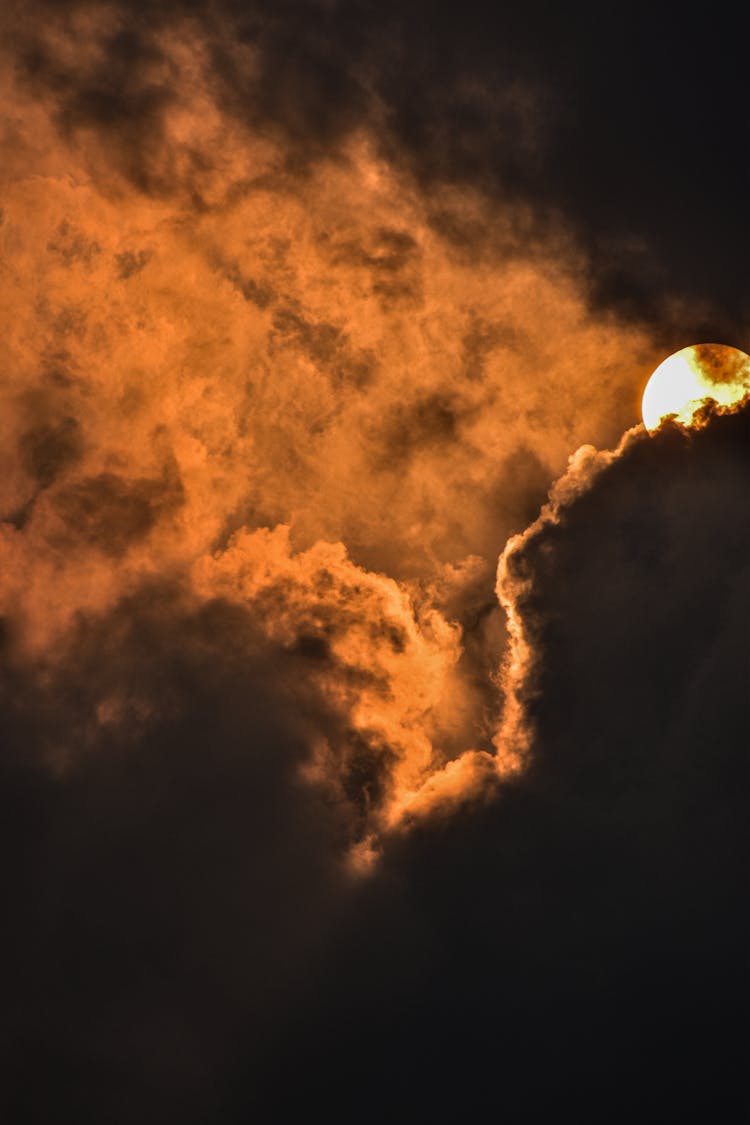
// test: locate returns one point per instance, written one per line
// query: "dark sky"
(305, 308)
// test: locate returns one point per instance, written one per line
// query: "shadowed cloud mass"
(372, 744)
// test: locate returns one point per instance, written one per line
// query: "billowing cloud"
(579, 939)
(222, 356)
(636, 541)
(304, 311)
(625, 129)
(196, 929)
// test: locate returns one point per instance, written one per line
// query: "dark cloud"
(164, 871)
(392, 258)
(119, 89)
(131, 262)
(111, 512)
(49, 448)
(643, 578)
(432, 420)
(72, 246)
(270, 417)
(250, 289)
(325, 345)
(577, 947)
(182, 942)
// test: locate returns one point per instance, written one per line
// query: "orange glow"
(301, 392)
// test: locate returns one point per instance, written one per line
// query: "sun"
(681, 384)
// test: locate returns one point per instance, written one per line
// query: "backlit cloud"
(372, 687)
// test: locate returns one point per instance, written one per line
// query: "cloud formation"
(580, 940)
(305, 309)
(624, 127)
(220, 351)
(184, 928)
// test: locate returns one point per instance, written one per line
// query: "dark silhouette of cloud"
(579, 945)
(165, 870)
(183, 943)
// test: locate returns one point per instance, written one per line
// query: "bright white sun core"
(680, 384)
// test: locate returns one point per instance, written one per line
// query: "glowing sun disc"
(686, 379)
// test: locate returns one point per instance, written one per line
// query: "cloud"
(529, 109)
(212, 350)
(515, 589)
(303, 313)
(640, 540)
(149, 782)
(184, 926)
(579, 938)
(384, 664)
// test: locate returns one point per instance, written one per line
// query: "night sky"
(374, 688)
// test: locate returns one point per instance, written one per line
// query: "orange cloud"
(319, 391)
